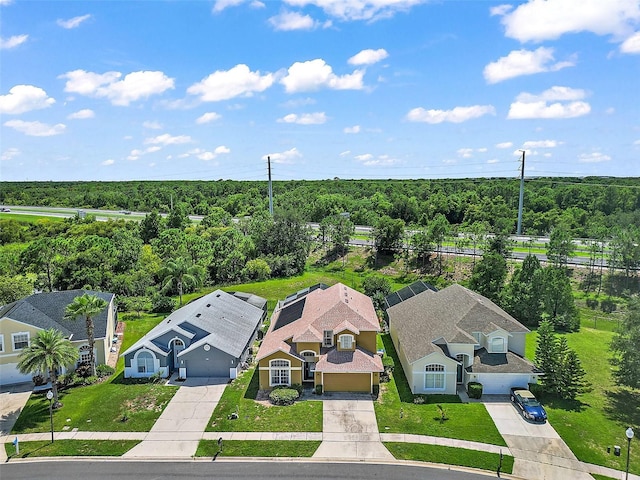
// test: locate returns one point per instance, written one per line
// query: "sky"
(371, 89)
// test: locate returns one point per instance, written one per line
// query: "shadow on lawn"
(254, 386)
(33, 414)
(561, 404)
(623, 406)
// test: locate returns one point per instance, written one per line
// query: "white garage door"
(493, 384)
(10, 375)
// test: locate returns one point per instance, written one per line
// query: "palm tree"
(180, 273)
(48, 352)
(87, 306)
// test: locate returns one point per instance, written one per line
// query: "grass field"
(30, 218)
(75, 448)
(257, 448)
(599, 418)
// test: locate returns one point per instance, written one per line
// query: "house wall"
(202, 363)
(416, 374)
(313, 346)
(131, 365)
(367, 341)
(501, 383)
(263, 366)
(517, 343)
(9, 373)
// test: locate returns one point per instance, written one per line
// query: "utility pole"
(521, 202)
(270, 187)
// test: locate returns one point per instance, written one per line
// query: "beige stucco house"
(322, 336)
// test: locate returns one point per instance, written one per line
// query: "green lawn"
(599, 418)
(302, 416)
(102, 407)
(257, 448)
(29, 218)
(396, 412)
(450, 456)
(75, 448)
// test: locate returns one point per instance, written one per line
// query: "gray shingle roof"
(222, 320)
(484, 362)
(453, 313)
(46, 310)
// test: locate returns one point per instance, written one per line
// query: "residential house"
(455, 336)
(322, 336)
(209, 337)
(21, 321)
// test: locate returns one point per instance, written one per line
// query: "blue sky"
(169, 90)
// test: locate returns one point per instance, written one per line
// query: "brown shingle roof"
(453, 313)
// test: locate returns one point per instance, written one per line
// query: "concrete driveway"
(12, 400)
(538, 450)
(181, 425)
(350, 429)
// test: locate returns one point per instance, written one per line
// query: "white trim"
(2, 349)
(351, 346)
(504, 344)
(282, 370)
(435, 374)
(13, 340)
(325, 337)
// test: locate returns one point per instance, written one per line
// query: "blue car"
(529, 407)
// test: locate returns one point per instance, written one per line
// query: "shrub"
(298, 388)
(162, 304)
(67, 380)
(90, 380)
(388, 363)
(592, 303)
(84, 370)
(104, 371)
(38, 380)
(474, 389)
(537, 389)
(608, 306)
(419, 399)
(376, 391)
(318, 389)
(156, 378)
(283, 396)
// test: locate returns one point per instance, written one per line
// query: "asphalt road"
(221, 470)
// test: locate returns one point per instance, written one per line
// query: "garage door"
(493, 384)
(10, 375)
(347, 382)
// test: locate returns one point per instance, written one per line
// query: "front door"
(309, 366)
(463, 362)
(178, 346)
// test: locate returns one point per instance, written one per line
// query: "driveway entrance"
(539, 452)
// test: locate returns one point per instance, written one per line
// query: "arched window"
(434, 377)
(346, 342)
(145, 362)
(85, 354)
(279, 372)
(497, 345)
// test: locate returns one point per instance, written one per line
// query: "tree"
(421, 244)
(560, 247)
(339, 230)
(87, 306)
(150, 226)
(558, 305)
(522, 297)
(180, 273)
(489, 275)
(16, 287)
(624, 346)
(572, 375)
(178, 217)
(377, 288)
(388, 234)
(48, 352)
(438, 229)
(546, 357)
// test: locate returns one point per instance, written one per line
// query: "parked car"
(5, 209)
(529, 407)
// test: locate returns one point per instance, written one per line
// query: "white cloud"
(152, 125)
(346, 10)
(220, 5)
(482, 150)
(287, 157)
(108, 162)
(500, 10)
(493, 160)
(523, 62)
(541, 144)
(208, 117)
(227, 84)
(166, 139)
(317, 118)
(288, 21)
(594, 157)
(153, 149)
(13, 41)
(504, 145)
(465, 152)
(456, 115)
(631, 44)
(368, 57)
(73, 22)
(369, 160)
(134, 86)
(5, 2)
(36, 129)
(529, 105)
(10, 154)
(205, 155)
(345, 153)
(24, 98)
(539, 20)
(354, 129)
(82, 114)
(316, 74)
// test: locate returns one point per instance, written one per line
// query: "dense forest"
(589, 207)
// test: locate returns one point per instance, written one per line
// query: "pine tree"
(572, 378)
(625, 348)
(546, 358)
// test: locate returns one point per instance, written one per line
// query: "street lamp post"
(629, 434)
(50, 398)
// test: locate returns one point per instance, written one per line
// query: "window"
(434, 377)
(20, 340)
(279, 372)
(497, 345)
(145, 362)
(1, 343)
(328, 338)
(346, 342)
(85, 354)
